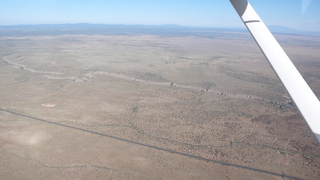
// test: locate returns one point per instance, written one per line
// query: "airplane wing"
(304, 98)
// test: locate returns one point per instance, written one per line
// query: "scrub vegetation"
(152, 106)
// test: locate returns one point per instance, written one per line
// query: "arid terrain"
(146, 106)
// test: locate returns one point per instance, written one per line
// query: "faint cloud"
(313, 21)
(305, 5)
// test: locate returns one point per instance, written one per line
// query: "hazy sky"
(297, 14)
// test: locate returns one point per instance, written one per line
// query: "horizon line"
(282, 28)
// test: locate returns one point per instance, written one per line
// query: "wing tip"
(240, 6)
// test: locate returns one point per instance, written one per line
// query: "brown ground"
(216, 99)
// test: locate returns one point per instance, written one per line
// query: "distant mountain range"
(120, 29)
(286, 30)
(107, 29)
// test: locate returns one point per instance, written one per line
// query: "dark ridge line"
(158, 148)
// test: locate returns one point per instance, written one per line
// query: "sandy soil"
(151, 107)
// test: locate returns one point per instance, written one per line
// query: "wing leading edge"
(304, 98)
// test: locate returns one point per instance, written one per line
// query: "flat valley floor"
(152, 107)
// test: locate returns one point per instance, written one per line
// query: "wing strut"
(300, 92)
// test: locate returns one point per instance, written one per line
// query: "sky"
(296, 14)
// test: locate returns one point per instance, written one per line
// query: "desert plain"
(152, 106)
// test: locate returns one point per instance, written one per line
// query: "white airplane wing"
(304, 98)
